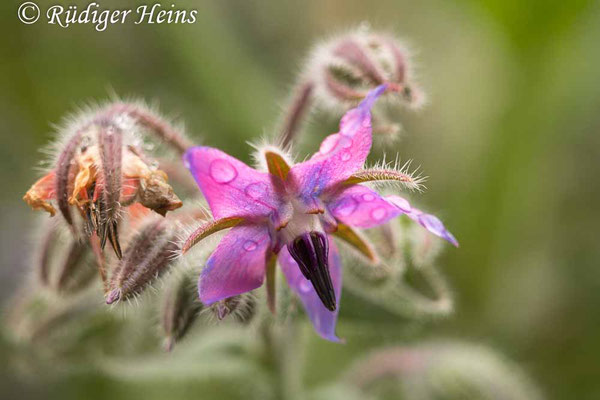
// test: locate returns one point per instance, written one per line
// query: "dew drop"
(304, 286)
(256, 190)
(346, 142)
(368, 197)
(328, 144)
(346, 156)
(250, 245)
(401, 203)
(346, 206)
(148, 146)
(378, 214)
(222, 171)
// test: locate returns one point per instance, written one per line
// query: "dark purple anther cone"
(311, 251)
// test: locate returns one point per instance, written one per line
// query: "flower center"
(311, 250)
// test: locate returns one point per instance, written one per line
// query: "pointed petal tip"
(113, 296)
(372, 96)
(450, 238)
(221, 312)
(333, 338)
(428, 221)
(168, 344)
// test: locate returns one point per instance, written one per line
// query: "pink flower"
(290, 213)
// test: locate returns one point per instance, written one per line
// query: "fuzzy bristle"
(391, 173)
(63, 176)
(148, 255)
(265, 146)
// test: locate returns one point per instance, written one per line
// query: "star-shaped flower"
(290, 213)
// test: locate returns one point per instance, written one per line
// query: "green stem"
(283, 349)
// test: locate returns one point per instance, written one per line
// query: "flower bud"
(442, 370)
(347, 67)
(180, 308)
(35, 317)
(423, 246)
(241, 307)
(63, 263)
(402, 283)
(149, 253)
(76, 268)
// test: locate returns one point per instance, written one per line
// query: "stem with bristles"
(296, 112)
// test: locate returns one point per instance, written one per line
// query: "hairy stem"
(159, 127)
(283, 349)
(296, 112)
(162, 129)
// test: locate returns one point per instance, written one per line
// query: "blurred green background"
(510, 140)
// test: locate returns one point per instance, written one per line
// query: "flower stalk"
(297, 110)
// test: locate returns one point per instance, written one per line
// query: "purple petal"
(322, 319)
(231, 188)
(428, 221)
(237, 265)
(362, 207)
(340, 154)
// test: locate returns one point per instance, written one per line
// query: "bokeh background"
(510, 141)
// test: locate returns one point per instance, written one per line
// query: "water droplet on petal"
(368, 197)
(401, 203)
(329, 144)
(250, 245)
(346, 142)
(346, 156)
(148, 146)
(256, 190)
(304, 286)
(346, 206)
(222, 171)
(379, 213)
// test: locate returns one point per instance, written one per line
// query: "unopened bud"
(423, 247)
(347, 67)
(443, 370)
(64, 263)
(241, 307)
(180, 308)
(149, 254)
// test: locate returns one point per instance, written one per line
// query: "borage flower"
(289, 214)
